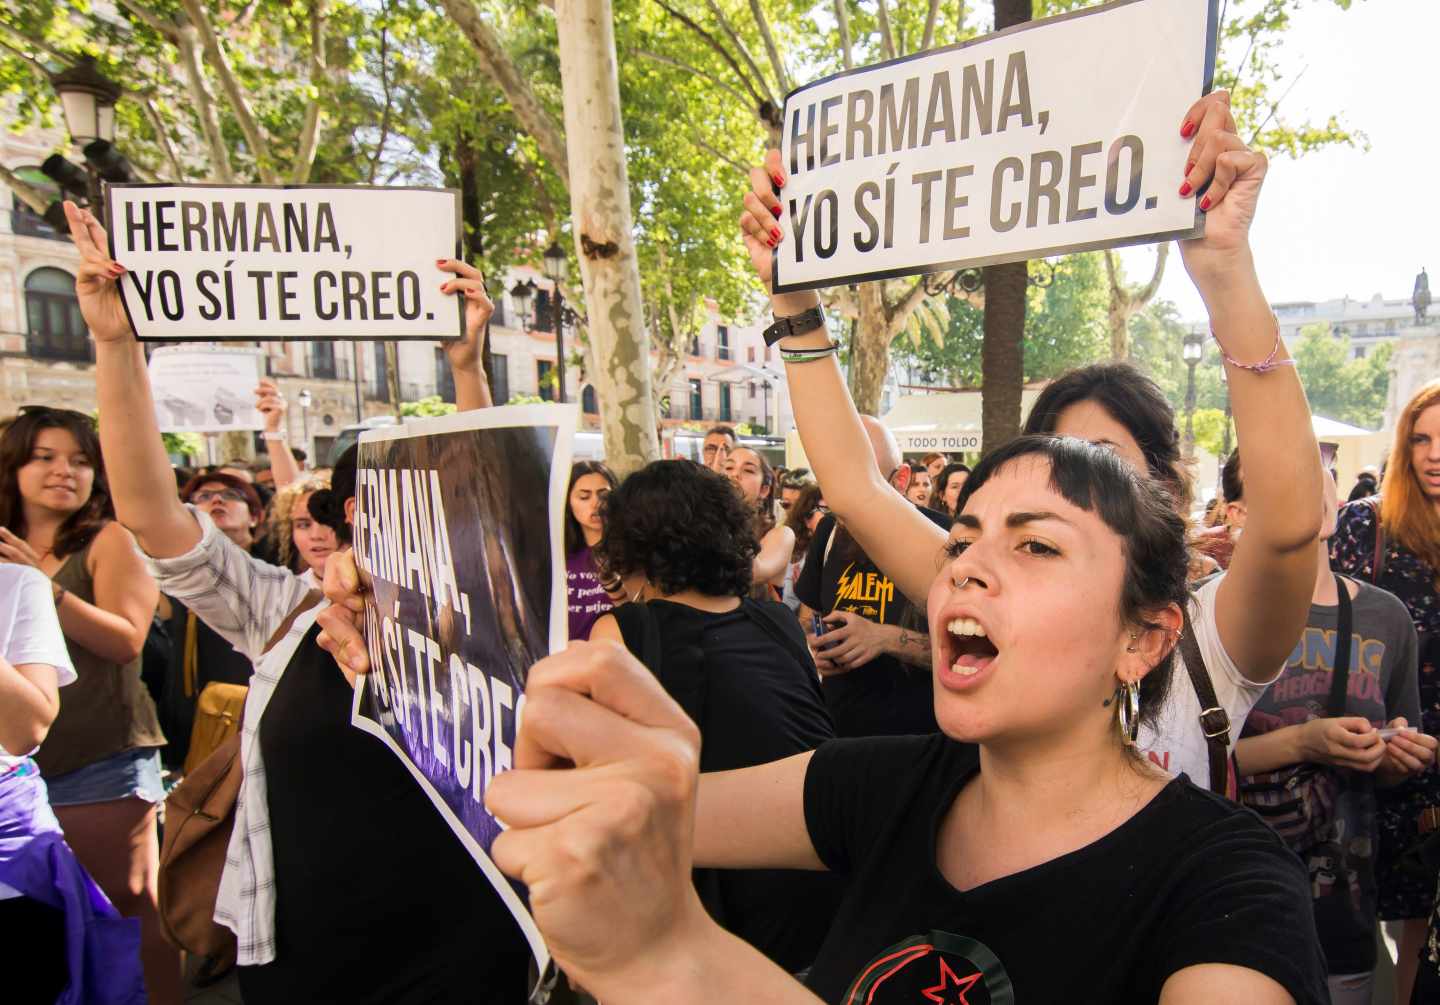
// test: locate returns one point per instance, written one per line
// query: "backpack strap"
(682, 675)
(768, 619)
(308, 601)
(1340, 677)
(1214, 720)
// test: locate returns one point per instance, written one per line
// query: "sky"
(1347, 221)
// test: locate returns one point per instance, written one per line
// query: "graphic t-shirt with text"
(1338, 846)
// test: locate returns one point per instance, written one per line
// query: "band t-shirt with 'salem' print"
(1189, 879)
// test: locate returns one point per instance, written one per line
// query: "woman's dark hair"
(574, 533)
(17, 443)
(1142, 513)
(1366, 486)
(328, 505)
(1131, 399)
(682, 525)
(798, 519)
(937, 491)
(252, 497)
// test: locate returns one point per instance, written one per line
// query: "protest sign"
(206, 389)
(458, 527)
(1051, 137)
(275, 262)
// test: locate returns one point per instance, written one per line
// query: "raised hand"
(97, 281)
(1234, 174)
(466, 354)
(600, 811)
(270, 403)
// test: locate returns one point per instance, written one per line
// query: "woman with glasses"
(101, 757)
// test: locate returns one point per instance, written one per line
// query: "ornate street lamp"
(1191, 351)
(556, 268)
(88, 99)
(522, 295)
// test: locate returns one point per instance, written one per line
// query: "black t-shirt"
(376, 901)
(885, 697)
(1189, 879)
(755, 702)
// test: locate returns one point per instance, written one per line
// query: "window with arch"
(56, 329)
(588, 403)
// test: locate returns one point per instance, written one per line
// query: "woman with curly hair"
(304, 542)
(739, 667)
(1393, 541)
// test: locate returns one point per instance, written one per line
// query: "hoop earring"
(1127, 713)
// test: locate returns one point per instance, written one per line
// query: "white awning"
(948, 423)
(742, 372)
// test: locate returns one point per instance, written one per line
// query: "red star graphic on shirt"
(957, 985)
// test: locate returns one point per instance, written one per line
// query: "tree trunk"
(1002, 355)
(604, 229)
(1125, 302)
(870, 350)
(392, 375)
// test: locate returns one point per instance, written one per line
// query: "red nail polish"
(1187, 130)
(1185, 189)
(778, 180)
(775, 233)
(770, 241)
(775, 210)
(1204, 203)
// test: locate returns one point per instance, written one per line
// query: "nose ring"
(961, 585)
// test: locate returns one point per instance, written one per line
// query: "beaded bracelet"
(1265, 365)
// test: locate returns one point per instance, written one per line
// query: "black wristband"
(795, 324)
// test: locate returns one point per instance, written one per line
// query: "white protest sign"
(213, 262)
(1056, 136)
(205, 389)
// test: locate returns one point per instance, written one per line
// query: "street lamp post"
(87, 98)
(1192, 351)
(521, 295)
(556, 266)
(765, 393)
(304, 400)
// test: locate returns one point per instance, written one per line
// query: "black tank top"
(377, 902)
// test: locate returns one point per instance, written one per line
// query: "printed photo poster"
(1051, 137)
(211, 263)
(206, 389)
(459, 528)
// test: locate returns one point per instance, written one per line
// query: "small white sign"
(211, 262)
(206, 389)
(1056, 136)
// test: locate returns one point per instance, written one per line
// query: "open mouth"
(970, 649)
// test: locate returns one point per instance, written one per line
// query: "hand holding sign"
(465, 355)
(342, 623)
(601, 814)
(96, 285)
(1234, 174)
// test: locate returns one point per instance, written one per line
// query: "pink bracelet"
(1265, 365)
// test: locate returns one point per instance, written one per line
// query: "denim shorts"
(131, 773)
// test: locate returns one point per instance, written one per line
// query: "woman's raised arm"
(141, 482)
(898, 539)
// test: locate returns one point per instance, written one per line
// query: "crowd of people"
(822, 733)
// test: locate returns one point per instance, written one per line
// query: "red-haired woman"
(101, 759)
(1393, 540)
